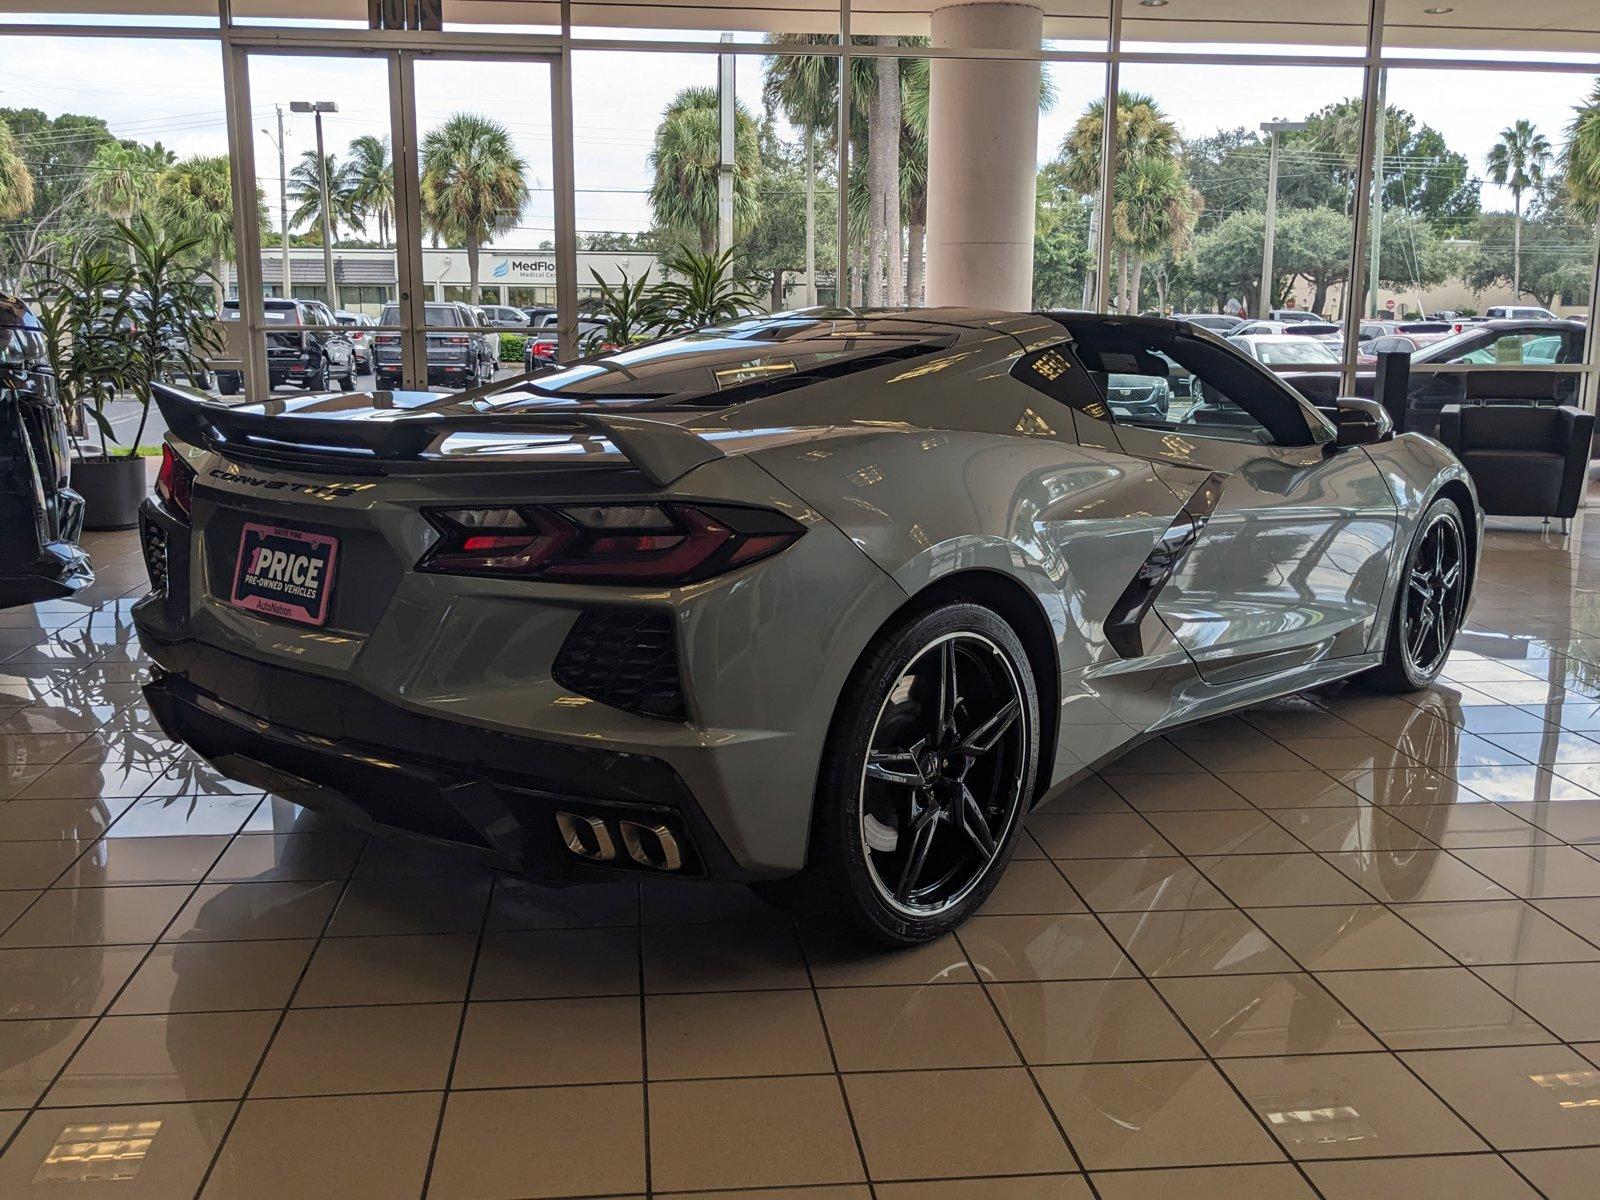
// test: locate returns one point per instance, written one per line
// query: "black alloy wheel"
(942, 783)
(927, 774)
(1432, 602)
(1436, 594)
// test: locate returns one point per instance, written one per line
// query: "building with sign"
(520, 278)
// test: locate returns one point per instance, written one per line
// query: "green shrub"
(512, 347)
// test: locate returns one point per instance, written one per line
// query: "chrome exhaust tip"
(587, 837)
(653, 846)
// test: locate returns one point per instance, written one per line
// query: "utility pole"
(318, 107)
(1377, 191)
(811, 217)
(727, 106)
(1272, 129)
(283, 199)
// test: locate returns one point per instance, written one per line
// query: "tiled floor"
(1343, 945)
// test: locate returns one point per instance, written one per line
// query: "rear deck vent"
(624, 657)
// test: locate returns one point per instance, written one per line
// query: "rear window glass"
(283, 314)
(1281, 354)
(437, 314)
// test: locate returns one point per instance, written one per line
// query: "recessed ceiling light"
(1153, 3)
(1439, 11)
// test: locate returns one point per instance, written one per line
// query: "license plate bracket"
(285, 573)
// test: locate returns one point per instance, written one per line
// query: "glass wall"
(1238, 176)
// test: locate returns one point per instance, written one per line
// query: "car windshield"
(1280, 354)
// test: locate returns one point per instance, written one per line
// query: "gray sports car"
(823, 601)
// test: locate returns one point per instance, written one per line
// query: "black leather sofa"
(1527, 460)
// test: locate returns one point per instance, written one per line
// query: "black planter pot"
(112, 489)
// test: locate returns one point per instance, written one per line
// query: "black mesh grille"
(153, 541)
(626, 658)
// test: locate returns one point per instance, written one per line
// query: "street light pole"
(1270, 237)
(318, 107)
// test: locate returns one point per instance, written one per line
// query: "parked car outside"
(1216, 322)
(1293, 315)
(1311, 329)
(503, 316)
(1519, 312)
(458, 356)
(543, 346)
(359, 324)
(1285, 349)
(1403, 343)
(312, 360)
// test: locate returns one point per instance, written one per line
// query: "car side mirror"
(1362, 422)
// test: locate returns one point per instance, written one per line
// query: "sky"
(172, 91)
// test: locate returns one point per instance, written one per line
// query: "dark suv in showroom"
(308, 360)
(459, 356)
(40, 516)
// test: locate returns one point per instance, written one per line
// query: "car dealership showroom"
(614, 598)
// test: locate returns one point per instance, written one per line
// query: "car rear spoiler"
(660, 450)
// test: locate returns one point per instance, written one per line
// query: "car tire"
(897, 715)
(317, 381)
(1430, 605)
(348, 383)
(228, 385)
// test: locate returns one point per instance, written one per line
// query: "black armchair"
(1526, 460)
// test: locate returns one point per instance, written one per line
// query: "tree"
(369, 179)
(16, 181)
(1580, 159)
(473, 184)
(122, 179)
(56, 152)
(1556, 255)
(805, 87)
(194, 205)
(1144, 133)
(1314, 245)
(1518, 161)
(1154, 210)
(685, 157)
(1060, 240)
(1422, 175)
(305, 190)
(1226, 260)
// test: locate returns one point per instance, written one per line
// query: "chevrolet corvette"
(822, 601)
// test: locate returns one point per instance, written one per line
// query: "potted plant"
(702, 289)
(119, 318)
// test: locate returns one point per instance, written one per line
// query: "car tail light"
(666, 543)
(543, 349)
(386, 339)
(175, 482)
(457, 341)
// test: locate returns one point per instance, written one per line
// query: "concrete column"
(983, 129)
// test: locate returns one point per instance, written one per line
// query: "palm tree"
(305, 189)
(195, 202)
(369, 178)
(1144, 132)
(685, 158)
(805, 88)
(121, 179)
(1581, 157)
(1518, 161)
(474, 183)
(16, 181)
(1155, 210)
